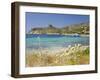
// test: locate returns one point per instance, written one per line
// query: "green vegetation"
(82, 28)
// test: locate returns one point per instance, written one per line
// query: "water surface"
(36, 41)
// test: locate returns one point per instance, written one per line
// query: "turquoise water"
(35, 41)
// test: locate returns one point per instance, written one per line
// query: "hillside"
(82, 28)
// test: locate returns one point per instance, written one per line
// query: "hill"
(82, 28)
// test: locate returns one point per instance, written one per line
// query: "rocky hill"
(82, 28)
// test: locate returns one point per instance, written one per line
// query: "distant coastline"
(72, 30)
(74, 35)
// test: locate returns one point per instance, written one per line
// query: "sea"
(36, 41)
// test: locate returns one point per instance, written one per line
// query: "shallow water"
(36, 41)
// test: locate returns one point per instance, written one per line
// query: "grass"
(73, 55)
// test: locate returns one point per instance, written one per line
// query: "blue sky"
(34, 20)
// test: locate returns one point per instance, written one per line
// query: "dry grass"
(75, 55)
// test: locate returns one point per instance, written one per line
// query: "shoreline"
(55, 50)
(81, 35)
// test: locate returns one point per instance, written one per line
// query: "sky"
(35, 20)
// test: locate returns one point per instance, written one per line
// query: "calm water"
(35, 41)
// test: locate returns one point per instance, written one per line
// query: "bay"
(36, 41)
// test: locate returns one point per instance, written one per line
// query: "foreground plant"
(72, 55)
